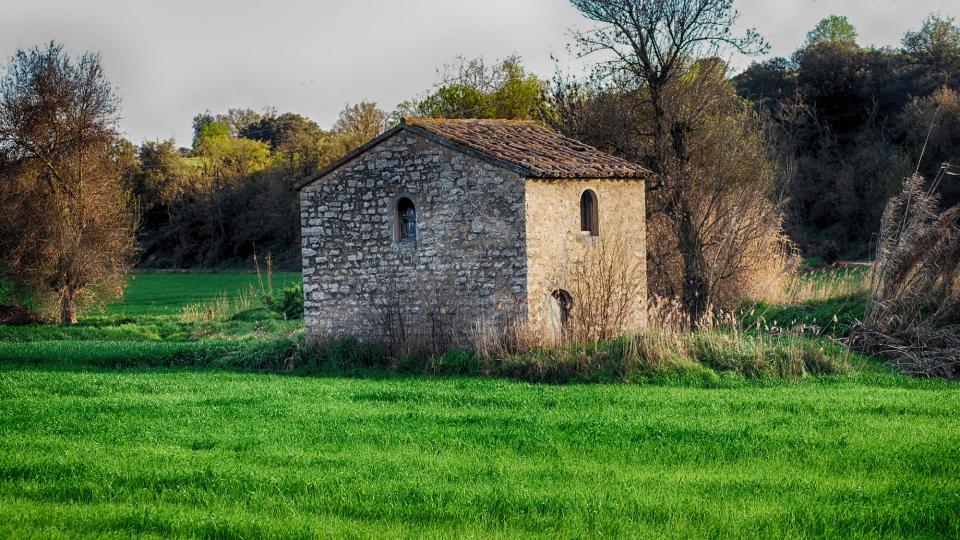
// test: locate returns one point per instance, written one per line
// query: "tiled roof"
(529, 148)
(542, 152)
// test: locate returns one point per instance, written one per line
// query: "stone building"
(440, 227)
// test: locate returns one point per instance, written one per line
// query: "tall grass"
(223, 307)
(723, 343)
(913, 315)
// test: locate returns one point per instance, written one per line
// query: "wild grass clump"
(655, 355)
(913, 313)
(221, 308)
(831, 317)
(696, 357)
(289, 304)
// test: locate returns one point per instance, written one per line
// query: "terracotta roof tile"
(531, 146)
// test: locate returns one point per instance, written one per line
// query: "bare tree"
(608, 287)
(658, 47)
(653, 42)
(68, 220)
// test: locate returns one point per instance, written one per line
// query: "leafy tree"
(163, 179)
(831, 78)
(199, 122)
(225, 161)
(285, 131)
(225, 156)
(454, 101)
(930, 131)
(356, 125)
(295, 140)
(934, 51)
(68, 228)
(853, 122)
(472, 89)
(235, 121)
(833, 29)
(239, 120)
(768, 83)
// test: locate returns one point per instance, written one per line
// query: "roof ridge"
(414, 120)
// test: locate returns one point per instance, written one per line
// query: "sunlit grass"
(817, 286)
(165, 293)
(179, 453)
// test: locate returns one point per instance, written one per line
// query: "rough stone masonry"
(498, 226)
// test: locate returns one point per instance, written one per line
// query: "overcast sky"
(173, 59)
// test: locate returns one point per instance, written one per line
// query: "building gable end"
(436, 139)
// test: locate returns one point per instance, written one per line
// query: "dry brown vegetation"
(67, 219)
(710, 201)
(667, 346)
(913, 316)
(609, 287)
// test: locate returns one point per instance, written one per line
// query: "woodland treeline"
(849, 123)
(230, 194)
(854, 120)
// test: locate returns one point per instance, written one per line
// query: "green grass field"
(91, 445)
(152, 310)
(181, 453)
(167, 293)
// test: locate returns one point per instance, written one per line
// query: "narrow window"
(589, 215)
(406, 220)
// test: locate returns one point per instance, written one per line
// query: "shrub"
(290, 303)
(830, 252)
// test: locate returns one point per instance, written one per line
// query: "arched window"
(589, 215)
(406, 220)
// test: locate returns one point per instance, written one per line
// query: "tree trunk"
(696, 293)
(68, 309)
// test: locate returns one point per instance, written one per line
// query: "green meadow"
(240, 455)
(166, 293)
(148, 421)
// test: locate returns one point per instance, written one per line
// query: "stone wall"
(557, 248)
(468, 262)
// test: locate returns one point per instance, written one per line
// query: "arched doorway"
(559, 308)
